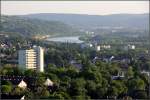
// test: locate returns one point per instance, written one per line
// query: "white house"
(129, 47)
(23, 98)
(22, 84)
(119, 76)
(98, 48)
(48, 82)
(145, 72)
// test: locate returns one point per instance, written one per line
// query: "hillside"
(68, 24)
(91, 21)
(30, 27)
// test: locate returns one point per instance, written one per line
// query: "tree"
(130, 72)
(64, 95)
(29, 72)
(81, 97)
(77, 87)
(17, 91)
(6, 88)
(72, 72)
(4, 82)
(7, 70)
(117, 88)
(140, 95)
(29, 94)
(56, 96)
(136, 84)
(18, 71)
(91, 88)
(41, 92)
(45, 93)
(101, 89)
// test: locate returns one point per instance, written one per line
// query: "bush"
(6, 88)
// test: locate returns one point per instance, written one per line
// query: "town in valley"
(75, 56)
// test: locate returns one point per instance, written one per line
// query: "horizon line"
(77, 14)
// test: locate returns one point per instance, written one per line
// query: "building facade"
(32, 59)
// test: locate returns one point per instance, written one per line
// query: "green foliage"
(141, 95)
(45, 93)
(4, 82)
(77, 87)
(17, 91)
(28, 94)
(30, 27)
(6, 88)
(136, 84)
(92, 81)
(130, 72)
(118, 87)
(29, 72)
(7, 70)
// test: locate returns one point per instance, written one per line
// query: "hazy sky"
(76, 7)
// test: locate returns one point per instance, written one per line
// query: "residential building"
(98, 48)
(32, 58)
(129, 47)
(120, 76)
(22, 84)
(48, 82)
(76, 64)
(145, 72)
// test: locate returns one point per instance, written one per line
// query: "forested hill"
(30, 27)
(89, 21)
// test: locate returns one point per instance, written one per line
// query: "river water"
(71, 39)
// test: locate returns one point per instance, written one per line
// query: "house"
(122, 59)
(23, 97)
(103, 58)
(22, 84)
(129, 47)
(145, 72)
(15, 80)
(108, 58)
(86, 45)
(120, 76)
(21, 81)
(76, 64)
(98, 48)
(3, 45)
(48, 82)
(105, 46)
(96, 59)
(112, 57)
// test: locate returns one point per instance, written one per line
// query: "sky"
(74, 7)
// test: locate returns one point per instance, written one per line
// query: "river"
(69, 39)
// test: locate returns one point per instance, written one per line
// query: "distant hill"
(68, 24)
(29, 27)
(90, 21)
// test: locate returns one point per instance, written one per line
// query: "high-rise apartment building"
(32, 58)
